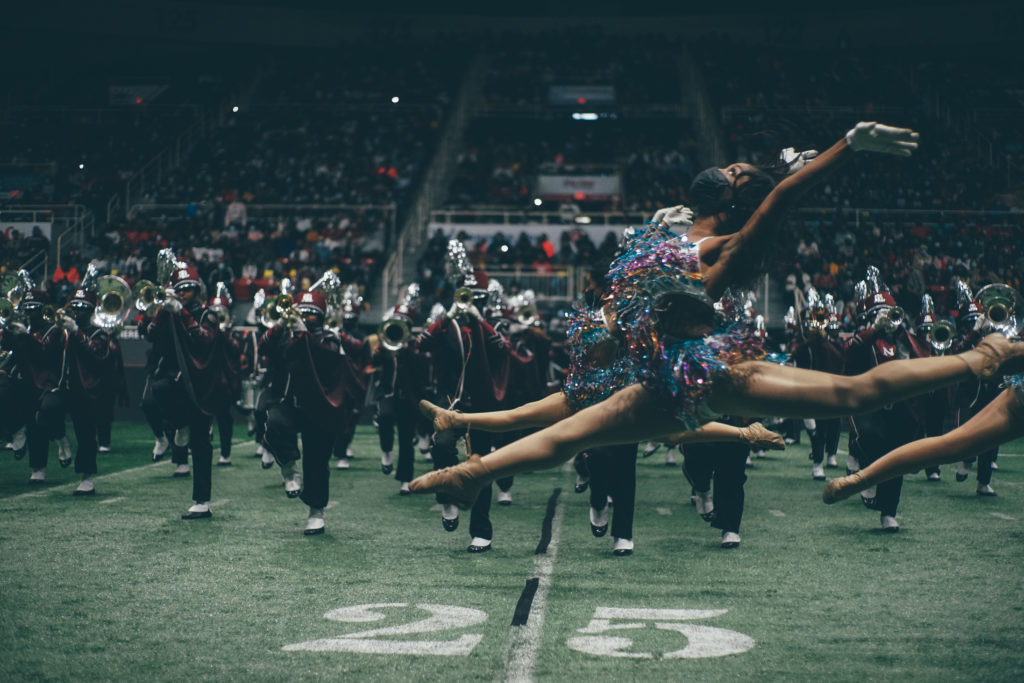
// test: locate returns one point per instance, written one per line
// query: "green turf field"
(118, 587)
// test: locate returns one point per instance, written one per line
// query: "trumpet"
(893, 317)
(394, 333)
(463, 298)
(53, 315)
(527, 315)
(278, 310)
(999, 305)
(222, 315)
(148, 297)
(940, 336)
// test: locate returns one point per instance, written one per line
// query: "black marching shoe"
(599, 522)
(198, 511)
(479, 545)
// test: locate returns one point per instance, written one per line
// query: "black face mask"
(706, 190)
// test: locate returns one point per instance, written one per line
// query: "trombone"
(112, 293)
(148, 297)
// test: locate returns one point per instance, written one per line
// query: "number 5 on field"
(703, 641)
(376, 641)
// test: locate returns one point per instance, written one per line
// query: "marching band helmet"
(32, 300)
(83, 299)
(405, 311)
(872, 295)
(926, 318)
(969, 309)
(184, 277)
(315, 303)
(221, 298)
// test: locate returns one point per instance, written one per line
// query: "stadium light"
(584, 116)
(538, 201)
(235, 108)
(394, 100)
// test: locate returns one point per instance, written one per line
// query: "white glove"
(69, 324)
(16, 328)
(672, 216)
(173, 305)
(452, 312)
(296, 325)
(796, 160)
(869, 136)
(475, 312)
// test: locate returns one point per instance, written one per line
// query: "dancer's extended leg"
(628, 416)
(547, 411)
(1000, 421)
(759, 388)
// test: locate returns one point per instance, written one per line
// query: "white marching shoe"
(622, 547)
(64, 452)
(315, 523)
(889, 524)
(831, 462)
(182, 470)
(599, 521)
(224, 461)
(387, 462)
(182, 436)
(449, 517)
(852, 465)
(817, 472)
(670, 457)
(291, 479)
(18, 440)
(730, 539)
(86, 487)
(342, 464)
(198, 511)
(705, 504)
(160, 447)
(37, 477)
(504, 497)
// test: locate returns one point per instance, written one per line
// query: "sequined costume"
(1016, 382)
(659, 264)
(588, 382)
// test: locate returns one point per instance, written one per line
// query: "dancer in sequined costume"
(659, 308)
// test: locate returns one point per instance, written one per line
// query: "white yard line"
(1000, 515)
(108, 501)
(331, 504)
(665, 512)
(524, 641)
(222, 501)
(776, 513)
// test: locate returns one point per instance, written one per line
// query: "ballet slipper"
(461, 483)
(442, 419)
(842, 488)
(994, 356)
(760, 438)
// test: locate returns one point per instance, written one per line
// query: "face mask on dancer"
(706, 190)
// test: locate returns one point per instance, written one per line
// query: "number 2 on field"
(703, 641)
(376, 641)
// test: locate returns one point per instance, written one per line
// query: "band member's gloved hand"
(870, 136)
(796, 160)
(69, 324)
(296, 325)
(173, 304)
(15, 329)
(882, 322)
(452, 312)
(674, 216)
(475, 312)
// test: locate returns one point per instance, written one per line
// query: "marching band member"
(320, 386)
(816, 350)
(881, 339)
(193, 376)
(941, 336)
(220, 306)
(352, 342)
(398, 381)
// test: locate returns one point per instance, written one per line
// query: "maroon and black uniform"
(969, 398)
(318, 385)
(822, 354)
(192, 379)
(399, 381)
(113, 390)
(872, 435)
(472, 363)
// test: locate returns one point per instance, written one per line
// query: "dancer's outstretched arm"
(729, 255)
(759, 388)
(756, 435)
(547, 411)
(1000, 421)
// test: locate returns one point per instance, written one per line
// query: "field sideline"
(118, 587)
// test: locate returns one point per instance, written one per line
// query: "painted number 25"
(702, 641)
(383, 641)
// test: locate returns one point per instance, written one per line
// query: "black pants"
(445, 454)
(54, 408)
(874, 435)
(284, 424)
(936, 405)
(724, 464)
(17, 401)
(151, 410)
(179, 410)
(824, 439)
(613, 473)
(393, 411)
(225, 431)
(343, 437)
